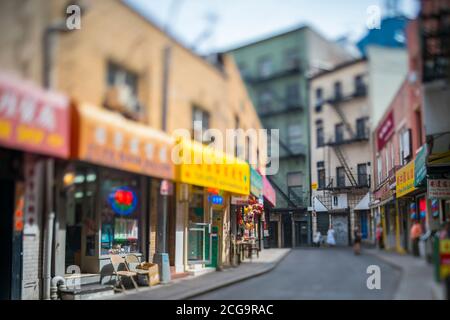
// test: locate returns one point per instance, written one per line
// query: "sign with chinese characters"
(108, 139)
(439, 189)
(420, 166)
(256, 183)
(33, 119)
(404, 180)
(385, 131)
(210, 168)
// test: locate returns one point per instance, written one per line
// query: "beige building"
(120, 53)
(340, 150)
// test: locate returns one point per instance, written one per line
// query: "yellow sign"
(404, 179)
(314, 186)
(207, 167)
(444, 252)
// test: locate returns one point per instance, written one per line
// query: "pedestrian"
(317, 239)
(416, 232)
(357, 241)
(379, 235)
(330, 237)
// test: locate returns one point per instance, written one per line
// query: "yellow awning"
(204, 166)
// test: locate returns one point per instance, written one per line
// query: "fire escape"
(336, 102)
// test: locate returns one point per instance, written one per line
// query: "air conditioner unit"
(121, 98)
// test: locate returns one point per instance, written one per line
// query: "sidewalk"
(417, 277)
(191, 286)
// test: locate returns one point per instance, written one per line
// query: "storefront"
(207, 179)
(438, 168)
(105, 199)
(270, 201)
(34, 131)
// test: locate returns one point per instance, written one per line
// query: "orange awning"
(106, 138)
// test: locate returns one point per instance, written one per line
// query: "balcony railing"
(290, 71)
(342, 182)
(359, 137)
(285, 108)
(359, 92)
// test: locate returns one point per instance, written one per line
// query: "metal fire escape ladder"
(344, 119)
(280, 191)
(341, 158)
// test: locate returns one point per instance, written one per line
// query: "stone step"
(82, 279)
(87, 292)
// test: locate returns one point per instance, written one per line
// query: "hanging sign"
(439, 189)
(420, 166)
(405, 180)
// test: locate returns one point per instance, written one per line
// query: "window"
(292, 60)
(118, 75)
(292, 95)
(387, 164)
(419, 127)
(120, 213)
(360, 87)
(362, 175)
(337, 90)
(320, 164)
(295, 138)
(379, 170)
(319, 99)
(405, 146)
(243, 70)
(200, 120)
(295, 179)
(265, 67)
(265, 101)
(340, 176)
(321, 178)
(361, 128)
(339, 132)
(320, 134)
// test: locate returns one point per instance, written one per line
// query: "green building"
(276, 71)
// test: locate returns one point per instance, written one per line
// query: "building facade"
(132, 87)
(275, 70)
(340, 150)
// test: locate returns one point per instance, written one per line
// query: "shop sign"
(215, 199)
(108, 139)
(444, 254)
(385, 131)
(256, 183)
(269, 192)
(123, 201)
(420, 166)
(239, 201)
(404, 180)
(33, 119)
(207, 167)
(439, 189)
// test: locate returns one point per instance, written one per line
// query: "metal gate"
(340, 226)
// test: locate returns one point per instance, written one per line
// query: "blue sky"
(241, 21)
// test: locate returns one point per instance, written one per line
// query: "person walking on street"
(416, 232)
(357, 241)
(379, 235)
(317, 239)
(330, 237)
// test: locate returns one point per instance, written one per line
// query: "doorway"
(273, 234)
(301, 233)
(287, 230)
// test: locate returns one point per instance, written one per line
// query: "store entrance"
(301, 233)
(80, 218)
(216, 237)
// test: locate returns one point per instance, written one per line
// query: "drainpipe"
(48, 233)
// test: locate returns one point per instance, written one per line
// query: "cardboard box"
(152, 277)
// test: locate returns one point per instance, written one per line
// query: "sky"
(231, 23)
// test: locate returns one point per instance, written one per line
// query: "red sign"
(33, 119)
(385, 131)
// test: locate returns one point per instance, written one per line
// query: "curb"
(267, 269)
(388, 261)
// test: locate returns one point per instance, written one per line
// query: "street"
(314, 274)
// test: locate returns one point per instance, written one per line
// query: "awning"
(204, 166)
(33, 119)
(269, 192)
(106, 138)
(364, 203)
(319, 206)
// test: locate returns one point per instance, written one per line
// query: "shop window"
(120, 213)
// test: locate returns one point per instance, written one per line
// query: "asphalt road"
(334, 273)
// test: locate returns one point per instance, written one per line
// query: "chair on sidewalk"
(116, 262)
(132, 262)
